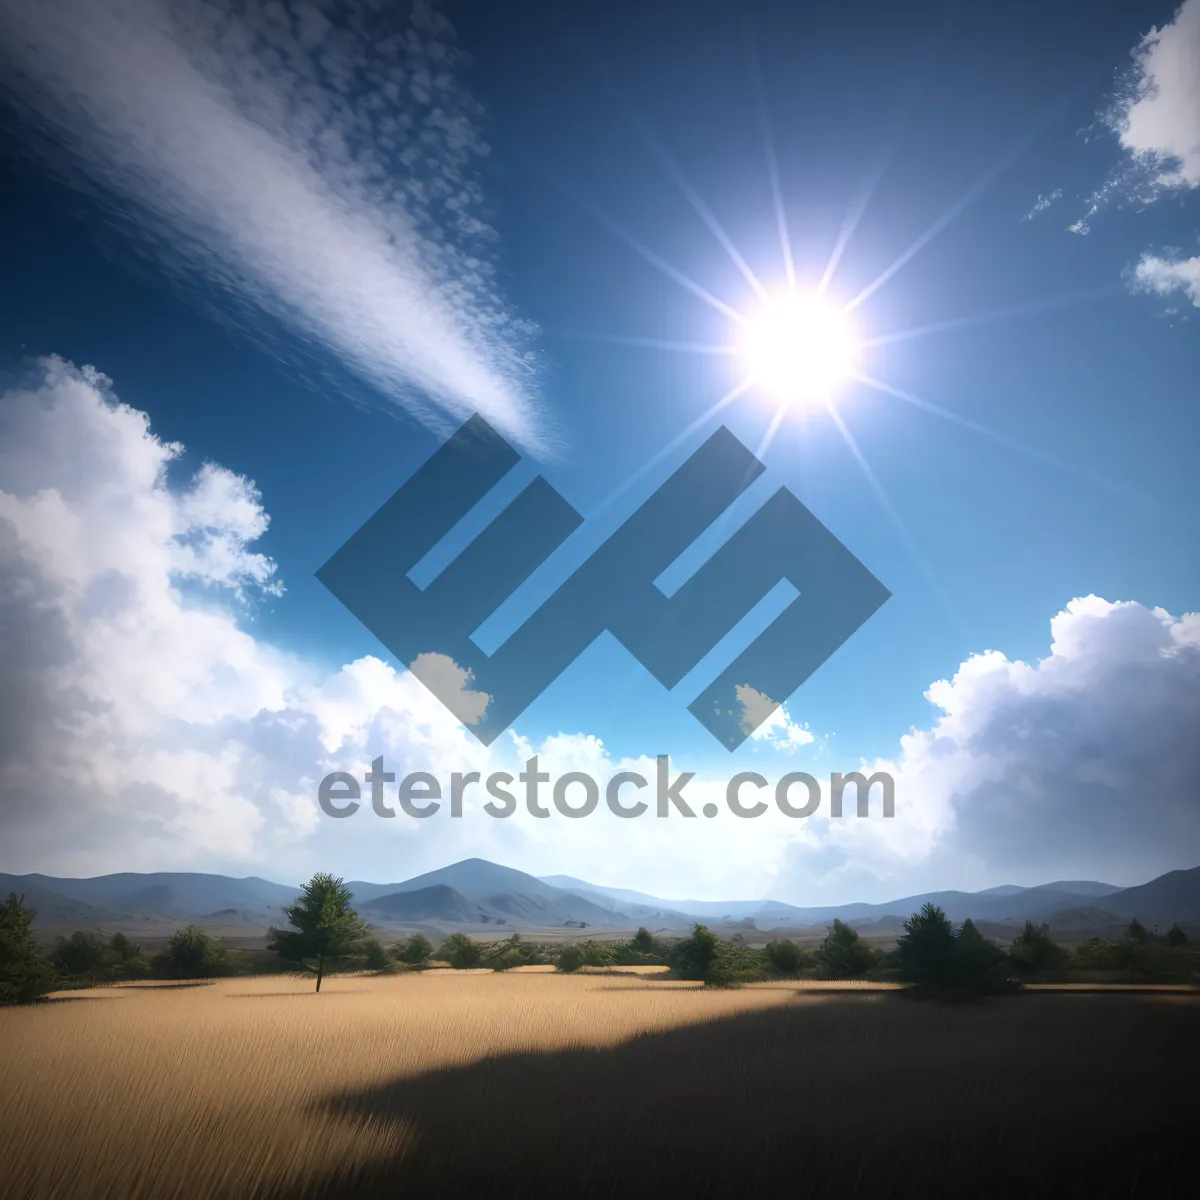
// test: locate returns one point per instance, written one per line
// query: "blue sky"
(951, 149)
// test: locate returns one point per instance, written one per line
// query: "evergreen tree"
(24, 973)
(326, 929)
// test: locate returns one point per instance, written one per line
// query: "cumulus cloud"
(1164, 276)
(315, 160)
(766, 721)
(142, 727)
(1084, 764)
(1156, 117)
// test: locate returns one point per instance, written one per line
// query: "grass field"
(531, 1083)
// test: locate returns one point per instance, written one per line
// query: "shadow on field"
(320, 997)
(861, 1095)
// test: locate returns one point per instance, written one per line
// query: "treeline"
(934, 954)
(326, 934)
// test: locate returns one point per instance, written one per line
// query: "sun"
(798, 348)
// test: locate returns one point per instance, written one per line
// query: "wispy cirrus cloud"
(316, 161)
(1042, 203)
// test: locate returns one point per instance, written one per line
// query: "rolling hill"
(476, 892)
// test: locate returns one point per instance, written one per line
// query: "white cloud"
(1156, 117)
(1164, 276)
(449, 683)
(142, 726)
(765, 721)
(320, 171)
(1159, 118)
(1084, 764)
(1042, 203)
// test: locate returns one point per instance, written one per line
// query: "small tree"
(843, 954)
(1175, 937)
(1035, 953)
(83, 954)
(570, 958)
(326, 929)
(373, 955)
(642, 942)
(982, 968)
(926, 950)
(192, 954)
(24, 974)
(785, 956)
(123, 948)
(415, 952)
(696, 956)
(461, 952)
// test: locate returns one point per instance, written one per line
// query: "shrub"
(514, 951)
(843, 954)
(1034, 953)
(83, 955)
(374, 957)
(642, 942)
(940, 959)
(123, 948)
(926, 950)
(460, 951)
(786, 957)
(192, 954)
(695, 956)
(570, 958)
(415, 952)
(982, 968)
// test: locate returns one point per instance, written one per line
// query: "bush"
(982, 967)
(415, 952)
(786, 957)
(459, 951)
(695, 956)
(514, 951)
(570, 958)
(1034, 954)
(843, 954)
(926, 951)
(192, 954)
(24, 973)
(125, 950)
(84, 955)
(940, 959)
(373, 955)
(642, 942)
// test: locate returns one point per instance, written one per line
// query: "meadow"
(532, 1082)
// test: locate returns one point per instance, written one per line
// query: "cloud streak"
(317, 163)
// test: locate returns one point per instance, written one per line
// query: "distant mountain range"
(478, 894)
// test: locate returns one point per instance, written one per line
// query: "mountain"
(175, 893)
(478, 892)
(52, 908)
(1005, 905)
(491, 893)
(437, 904)
(1174, 896)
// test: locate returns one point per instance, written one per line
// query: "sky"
(260, 260)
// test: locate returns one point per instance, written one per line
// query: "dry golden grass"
(169, 1090)
(525, 1083)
